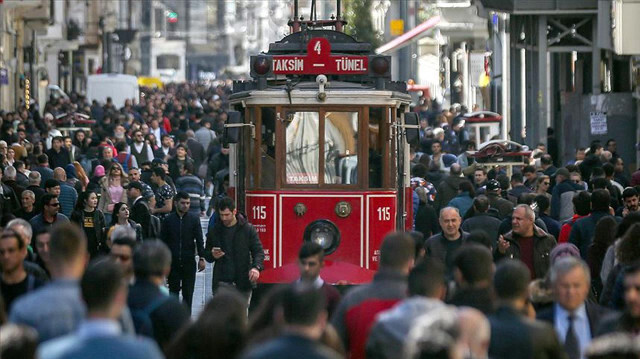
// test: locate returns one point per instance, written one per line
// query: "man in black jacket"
(139, 208)
(526, 242)
(473, 273)
(151, 264)
(182, 233)
(512, 334)
(443, 245)
(482, 220)
(235, 247)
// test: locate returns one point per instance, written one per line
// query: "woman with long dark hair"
(605, 235)
(222, 325)
(121, 218)
(92, 222)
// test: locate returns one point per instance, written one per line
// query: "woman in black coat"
(92, 221)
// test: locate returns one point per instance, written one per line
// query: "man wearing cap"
(140, 212)
(559, 199)
(503, 206)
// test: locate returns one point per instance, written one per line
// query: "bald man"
(68, 195)
(475, 332)
(442, 245)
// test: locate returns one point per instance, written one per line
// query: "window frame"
(362, 146)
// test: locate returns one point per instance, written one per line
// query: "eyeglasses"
(546, 183)
(57, 204)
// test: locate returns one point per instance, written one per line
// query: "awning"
(404, 39)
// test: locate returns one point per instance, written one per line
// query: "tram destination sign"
(319, 60)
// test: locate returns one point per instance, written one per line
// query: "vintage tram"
(319, 151)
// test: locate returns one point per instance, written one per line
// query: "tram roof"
(338, 93)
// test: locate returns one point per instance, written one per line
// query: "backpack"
(142, 317)
(126, 163)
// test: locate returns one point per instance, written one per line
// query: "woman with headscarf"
(94, 183)
(72, 177)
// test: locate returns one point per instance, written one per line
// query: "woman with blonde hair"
(542, 185)
(112, 189)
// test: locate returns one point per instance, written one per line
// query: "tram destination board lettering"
(333, 65)
(319, 60)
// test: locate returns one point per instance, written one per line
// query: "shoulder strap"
(31, 282)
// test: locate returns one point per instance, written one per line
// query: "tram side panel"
(361, 218)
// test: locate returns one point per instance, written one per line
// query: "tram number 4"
(259, 212)
(384, 213)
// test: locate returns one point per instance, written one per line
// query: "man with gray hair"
(28, 210)
(441, 246)
(35, 179)
(9, 179)
(574, 319)
(526, 242)
(155, 313)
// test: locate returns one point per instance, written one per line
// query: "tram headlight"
(324, 233)
(380, 65)
(261, 65)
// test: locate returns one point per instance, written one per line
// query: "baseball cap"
(493, 185)
(158, 161)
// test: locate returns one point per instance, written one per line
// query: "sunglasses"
(54, 204)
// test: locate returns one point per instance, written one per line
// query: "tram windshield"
(303, 145)
(341, 148)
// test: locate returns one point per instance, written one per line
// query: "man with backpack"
(126, 159)
(155, 313)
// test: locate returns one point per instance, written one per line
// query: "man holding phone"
(235, 247)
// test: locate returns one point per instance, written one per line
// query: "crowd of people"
(102, 240)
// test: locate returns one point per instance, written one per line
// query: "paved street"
(202, 291)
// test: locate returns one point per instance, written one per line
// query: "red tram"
(320, 151)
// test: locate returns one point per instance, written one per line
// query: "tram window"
(302, 152)
(341, 148)
(268, 148)
(376, 145)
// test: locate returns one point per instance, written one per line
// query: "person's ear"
(457, 275)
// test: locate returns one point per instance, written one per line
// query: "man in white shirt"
(140, 149)
(574, 319)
